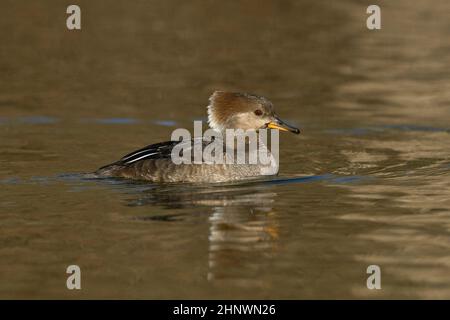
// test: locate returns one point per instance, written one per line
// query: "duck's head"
(233, 110)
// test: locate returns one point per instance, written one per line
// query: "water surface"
(368, 181)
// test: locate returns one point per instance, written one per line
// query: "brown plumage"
(226, 110)
(224, 107)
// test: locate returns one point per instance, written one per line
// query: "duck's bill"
(280, 125)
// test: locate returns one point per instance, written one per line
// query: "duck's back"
(154, 163)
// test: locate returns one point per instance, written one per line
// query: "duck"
(226, 110)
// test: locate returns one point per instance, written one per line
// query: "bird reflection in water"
(243, 226)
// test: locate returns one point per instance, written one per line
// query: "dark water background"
(368, 182)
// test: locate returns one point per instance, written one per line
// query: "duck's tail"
(109, 170)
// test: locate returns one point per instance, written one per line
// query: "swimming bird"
(226, 110)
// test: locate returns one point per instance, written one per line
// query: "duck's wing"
(155, 151)
(150, 162)
(160, 150)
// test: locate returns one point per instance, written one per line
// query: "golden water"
(368, 181)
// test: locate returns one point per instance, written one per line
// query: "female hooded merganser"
(226, 110)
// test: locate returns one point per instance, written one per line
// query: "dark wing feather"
(153, 151)
(162, 150)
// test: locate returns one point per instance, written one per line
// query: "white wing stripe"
(142, 157)
(134, 154)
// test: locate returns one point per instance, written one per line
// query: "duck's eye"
(258, 112)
